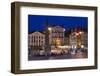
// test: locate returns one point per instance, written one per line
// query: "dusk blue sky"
(38, 22)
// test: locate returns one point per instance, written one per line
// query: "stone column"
(47, 44)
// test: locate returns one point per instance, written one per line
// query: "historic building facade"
(78, 39)
(73, 40)
(36, 39)
(84, 39)
(56, 35)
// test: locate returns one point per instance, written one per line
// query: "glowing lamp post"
(49, 28)
(82, 46)
(49, 32)
(64, 30)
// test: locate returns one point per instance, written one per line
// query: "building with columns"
(56, 35)
(36, 39)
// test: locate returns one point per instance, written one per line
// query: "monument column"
(47, 44)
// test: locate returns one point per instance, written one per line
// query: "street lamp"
(64, 30)
(80, 32)
(49, 33)
(49, 28)
(82, 46)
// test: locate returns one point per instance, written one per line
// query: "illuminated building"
(36, 39)
(56, 35)
(78, 39)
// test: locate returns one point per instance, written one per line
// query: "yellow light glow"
(82, 46)
(49, 28)
(58, 41)
(80, 32)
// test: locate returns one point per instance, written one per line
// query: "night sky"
(38, 22)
